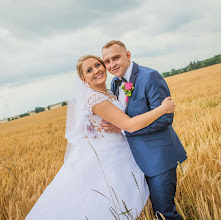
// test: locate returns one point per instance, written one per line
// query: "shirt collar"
(128, 72)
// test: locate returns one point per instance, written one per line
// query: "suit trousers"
(162, 192)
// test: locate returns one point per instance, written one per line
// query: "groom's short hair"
(111, 43)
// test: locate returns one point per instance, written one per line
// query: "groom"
(156, 148)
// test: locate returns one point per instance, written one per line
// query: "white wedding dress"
(97, 179)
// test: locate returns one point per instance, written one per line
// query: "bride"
(99, 178)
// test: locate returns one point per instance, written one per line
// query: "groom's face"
(116, 60)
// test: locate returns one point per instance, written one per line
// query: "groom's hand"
(109, 127)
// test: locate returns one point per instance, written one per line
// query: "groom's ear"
(128, 55)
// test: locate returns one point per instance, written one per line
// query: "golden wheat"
(32, 150)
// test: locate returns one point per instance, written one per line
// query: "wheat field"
(32, 150)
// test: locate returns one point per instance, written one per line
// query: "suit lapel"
(114, 87)
(132, 80)
(117, 91)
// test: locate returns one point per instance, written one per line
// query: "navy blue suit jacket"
(156, 148)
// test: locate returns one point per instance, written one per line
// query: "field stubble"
(32, 150)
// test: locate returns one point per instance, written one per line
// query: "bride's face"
(94, 73)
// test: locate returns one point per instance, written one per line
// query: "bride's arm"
(109, 112)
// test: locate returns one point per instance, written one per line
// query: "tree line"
(37, 110)
(193, 65)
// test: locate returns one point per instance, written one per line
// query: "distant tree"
(39, 109)
(23, 115)
(204, 63)
(219, 58)
(184, 69)
(49, 108)
(8, 119)
(194, 65)
(165, 74)
(198, 64)
(64, 103)
(172, 72)
(190, 66)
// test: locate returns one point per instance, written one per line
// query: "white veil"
(77, 116)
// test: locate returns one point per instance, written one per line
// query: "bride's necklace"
(106, 93)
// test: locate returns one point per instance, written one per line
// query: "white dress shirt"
(122, 96)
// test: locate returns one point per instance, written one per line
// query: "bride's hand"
(109, 127)
(169, 105)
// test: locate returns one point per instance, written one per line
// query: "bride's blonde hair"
(82, 59)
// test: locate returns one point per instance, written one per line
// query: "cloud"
(48, 56)
(38, 39)
(36, 18)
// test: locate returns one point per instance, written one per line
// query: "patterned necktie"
(119, 81)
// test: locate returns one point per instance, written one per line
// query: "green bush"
(23, 115)
(39, 109)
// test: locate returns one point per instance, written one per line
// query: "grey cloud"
(170, 27)
(52, 55)
(43, 38)
(155, 16)
(36, 18)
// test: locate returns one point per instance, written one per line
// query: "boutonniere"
(128, 87)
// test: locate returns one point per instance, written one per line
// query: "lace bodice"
(94, 98)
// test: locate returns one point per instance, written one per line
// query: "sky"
(41, 41)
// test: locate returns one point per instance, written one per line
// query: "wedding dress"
(99, 178)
